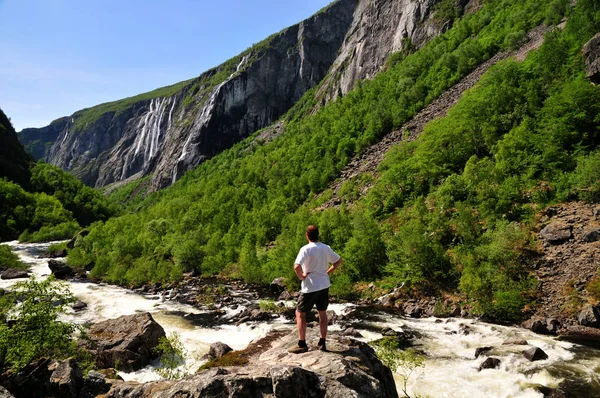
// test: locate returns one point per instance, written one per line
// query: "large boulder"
(60, 269)
(582, 335)
(95, 384)
(67, 379)
(536, 325)
(277, 286)
(14, 273)
(591, 52)
(557, 232)
(489, 363)
(126, 343)
(589, 316)
(349, 369)
(32, 381)
(535, 354)
(217, 350)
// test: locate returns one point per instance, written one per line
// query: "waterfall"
(204, 118)
(149, 130)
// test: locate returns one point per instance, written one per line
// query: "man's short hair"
(313, 233)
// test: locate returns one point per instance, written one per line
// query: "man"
(312, 268)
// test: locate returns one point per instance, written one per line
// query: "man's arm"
(301, 275)
(335, 266)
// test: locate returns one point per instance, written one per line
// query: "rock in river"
(126, 342)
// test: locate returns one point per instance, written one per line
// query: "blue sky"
(59, 56)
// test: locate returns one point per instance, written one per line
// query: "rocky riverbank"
(348, 368)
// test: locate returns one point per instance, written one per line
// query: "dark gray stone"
(95, 384)
(535, 354)
(14, 273)
(67, 379)
(489, 363)
(556, 233)
(515, 341)
(126, 342)
(277, 286)
(482, 350)
(60, 269)
(591, 52)
(218, 349)
(537, 326)
(589, 316)
(352, 332)
(592, 236)
(79, 305)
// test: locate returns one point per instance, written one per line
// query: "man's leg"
(323, 324)
(322, 304)
(304, 305)
(301, 323)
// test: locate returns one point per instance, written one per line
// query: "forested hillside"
(39, 202)
(449, 212)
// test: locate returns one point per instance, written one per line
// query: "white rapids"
(450, 368)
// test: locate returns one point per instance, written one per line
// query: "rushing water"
(450, 368)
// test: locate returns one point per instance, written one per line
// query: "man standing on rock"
(312, 268)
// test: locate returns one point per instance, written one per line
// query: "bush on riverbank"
(29, 324)
(8, 259)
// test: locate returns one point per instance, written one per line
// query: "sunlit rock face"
(591, 51)
(165, 136)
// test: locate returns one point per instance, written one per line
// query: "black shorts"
(306, 301)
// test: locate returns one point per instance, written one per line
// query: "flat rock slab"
(349, 369)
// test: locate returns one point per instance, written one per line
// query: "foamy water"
(450, 368)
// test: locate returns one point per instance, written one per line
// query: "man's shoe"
(321, 345)
(298, 349)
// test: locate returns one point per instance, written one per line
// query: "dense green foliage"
(29, 324)
(448, 211)
(14, 161)
(8, 259)
(56, 206)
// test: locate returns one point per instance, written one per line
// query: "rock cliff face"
(167, 132)
(591, 51)
(38, 142)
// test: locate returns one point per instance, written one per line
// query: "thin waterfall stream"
(450, 367)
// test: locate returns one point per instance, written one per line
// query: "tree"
(29, 323)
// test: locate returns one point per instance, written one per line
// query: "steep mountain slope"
(38, 141)
(14, 161)
(243, 211)
(40, 202)
(173, 129)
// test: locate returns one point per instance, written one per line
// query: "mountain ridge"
(103, 144)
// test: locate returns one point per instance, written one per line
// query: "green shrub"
(33, 309)
(172, 357)
(9, 259)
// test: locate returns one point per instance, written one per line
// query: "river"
(450, 368)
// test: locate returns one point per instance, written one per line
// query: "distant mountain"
(38, 141)
(168, 131)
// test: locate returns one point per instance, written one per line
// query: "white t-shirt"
(314, 259)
